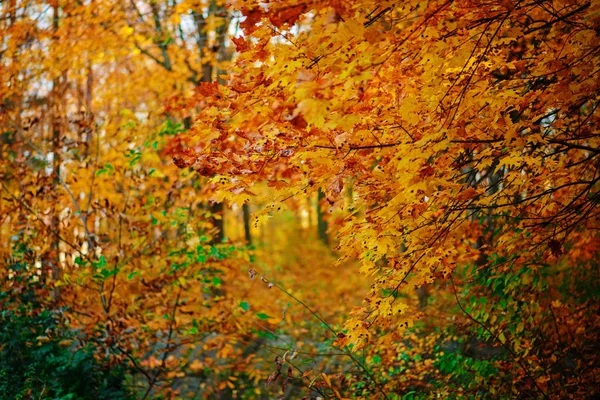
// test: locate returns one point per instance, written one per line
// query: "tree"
(467, 132)
(90, 210)
(441, 114)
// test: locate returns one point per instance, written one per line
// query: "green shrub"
(41, 357)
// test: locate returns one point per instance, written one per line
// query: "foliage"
(41, 357)
(464, 132)
(438, 115)
(287, 199)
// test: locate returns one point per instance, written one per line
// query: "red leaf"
(253, 16)
(208, 89)
(240, 44)
(274, 375)
(186, 158)
(287, 15)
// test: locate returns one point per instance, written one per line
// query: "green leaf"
(177, 252)
(216, 281)
(100, 263)
(131, 275)
(108, 168)
(244, 305)
(502, 337)
(263, 316)
(266, 335)
(107, 273)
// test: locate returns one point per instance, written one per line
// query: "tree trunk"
(321, 223)
(216, 209)
(247, 233)
(55, 125)
(208, 71)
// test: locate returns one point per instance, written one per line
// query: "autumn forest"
(289, 199)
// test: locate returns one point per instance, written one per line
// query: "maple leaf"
(240, 43)
(253, 16)
(208, 89)
(286, 15)
(185, 158)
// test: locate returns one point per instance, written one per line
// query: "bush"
(41, 357)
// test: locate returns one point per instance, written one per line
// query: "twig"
(82, 217)
(161, 368)
(330, 328)
(48, 227)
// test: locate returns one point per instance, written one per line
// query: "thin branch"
(558, 19)
(330, 328)
(167, 351)
(134, 362)
(82, 216)
(48, 227)
(366, 147)
(305, 352)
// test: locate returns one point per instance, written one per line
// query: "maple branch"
(305, 352)
(575, 198)
(558, 19)
(568, 228)
(89, 203)
(405, 131)
(523, 200)
(575, 146)
(464, 67)
(116, 267)
(138, 11)
(412, 31)
(365, 147)
(302, 374)
(152, 56)
(463, 92)
(162, 40)
(371, 20)
(558, 336)
(82, 216)
(434, 239)
(473, 141)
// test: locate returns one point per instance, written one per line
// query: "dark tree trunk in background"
(55, 125)
(321, 223)
(216, 209)
(246, 214)
(208, 70)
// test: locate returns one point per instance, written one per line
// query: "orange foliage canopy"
(425, 120)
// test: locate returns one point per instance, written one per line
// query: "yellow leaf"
(326, 379)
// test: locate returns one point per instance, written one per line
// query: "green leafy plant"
(41, 357)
